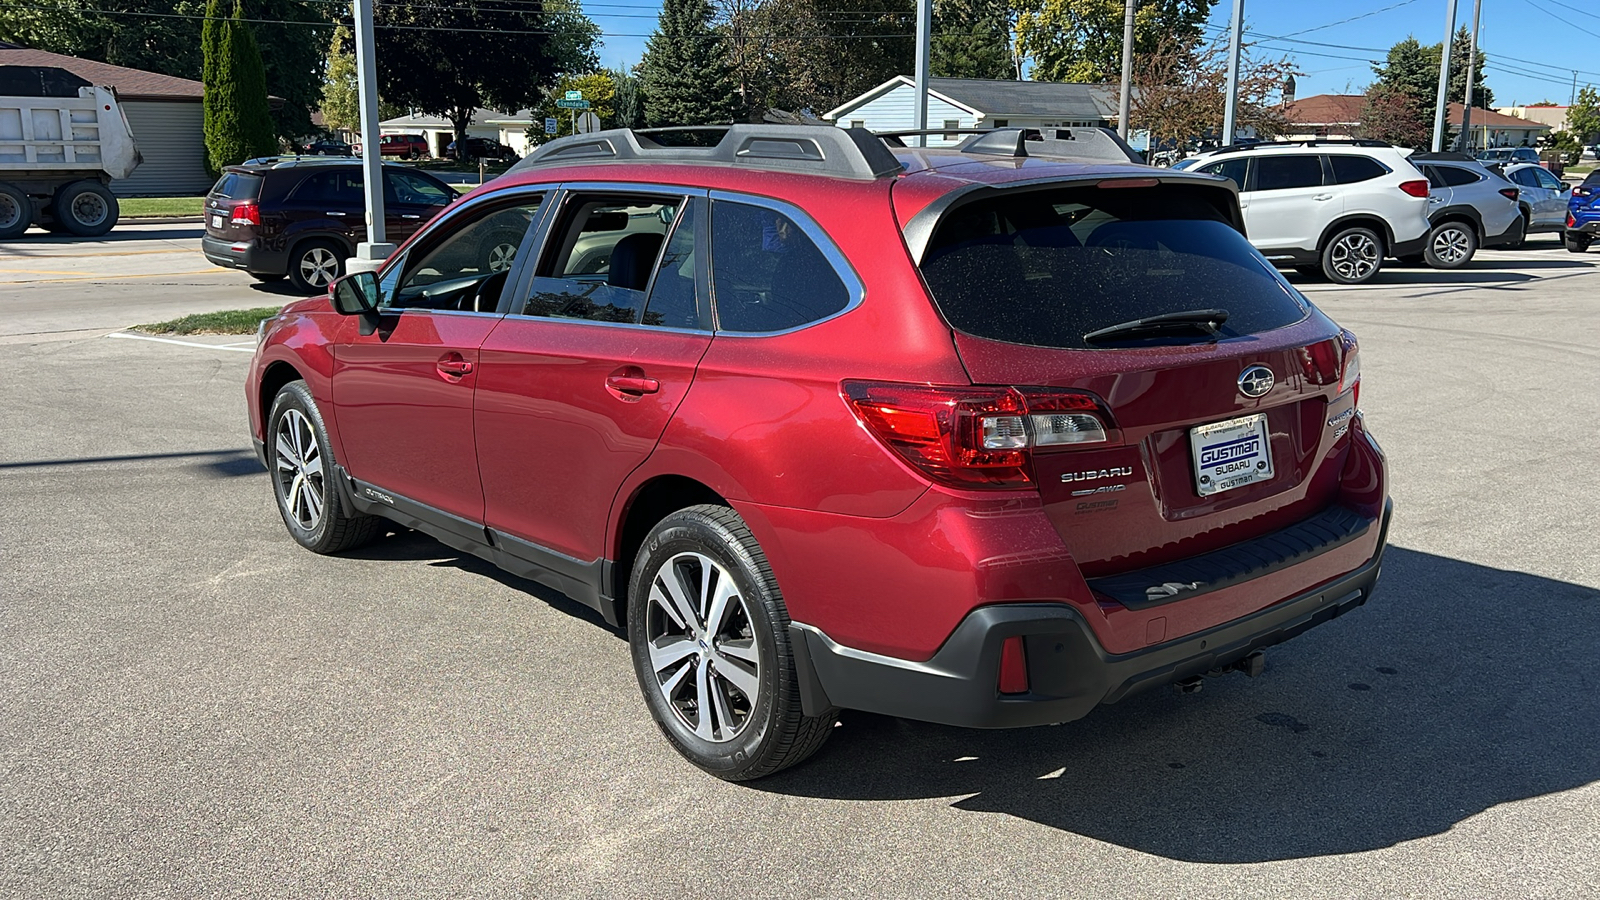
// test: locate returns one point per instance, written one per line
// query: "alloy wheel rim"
(501, 256)
(1355, 256)
(1450, 245)
(703, 657)
(318, 266)
(299, 474)
(89, 208)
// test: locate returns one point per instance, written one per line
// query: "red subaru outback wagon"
(984, 436)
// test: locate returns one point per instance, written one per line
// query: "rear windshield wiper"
(1206, 321)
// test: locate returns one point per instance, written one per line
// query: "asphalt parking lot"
(193, 706)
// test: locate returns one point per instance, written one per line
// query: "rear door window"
(1353, 169)
(334, 188)
(1455, 176)
(1281, 173)
(1047, 267)
(768, 274)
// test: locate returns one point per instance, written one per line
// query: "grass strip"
(161, 206)
(232, 321)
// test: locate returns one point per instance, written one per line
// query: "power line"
(1561, 20)
(1352, 18)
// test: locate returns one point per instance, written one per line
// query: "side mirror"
(356, 294)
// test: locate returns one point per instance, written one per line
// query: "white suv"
(1331, 208)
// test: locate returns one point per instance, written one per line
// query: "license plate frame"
(1231, 454)
(216, 221)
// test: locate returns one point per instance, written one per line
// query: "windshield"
(1048, 267)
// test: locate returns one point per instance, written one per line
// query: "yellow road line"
(110, 253)
(214, 270)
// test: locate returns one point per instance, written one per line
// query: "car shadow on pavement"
(1458, 688)
(279, 289)
(403, 544)
(1402, 277)
(40, 238)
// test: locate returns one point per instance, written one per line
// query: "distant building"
(1554, 116)
(163, 112)
(1339, 116)
(956, 103)
(509, 129)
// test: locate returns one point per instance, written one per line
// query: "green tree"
(685, 72)
(629, 98)
(1565, 143)
(1391, 114)
(451, 58)
(1081, 40)
(1410, 73)
(297, 33)
(972, 39)
(237, 123)
(1583, 117)
(341, 95)
(598, 88)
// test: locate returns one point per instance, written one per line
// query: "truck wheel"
(85, 208)
(16, 211)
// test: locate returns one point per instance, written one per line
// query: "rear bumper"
(1582, 226)
(1513, 233)
(246, 255)
(1069, 672)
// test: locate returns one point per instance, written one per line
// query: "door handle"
(632, 384)
(453, 366)
(1323, 197)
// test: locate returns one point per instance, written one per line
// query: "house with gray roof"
(975, 103)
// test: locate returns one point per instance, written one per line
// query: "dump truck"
(62, 141)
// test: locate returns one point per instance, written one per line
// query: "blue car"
(1583, 214)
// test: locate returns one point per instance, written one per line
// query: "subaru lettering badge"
(1255, 381)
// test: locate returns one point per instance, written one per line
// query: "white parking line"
(145, 337)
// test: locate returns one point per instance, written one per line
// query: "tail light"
(246, 214)
(975, 437)
(1013, 666)
(1350, 371)
(1511, 193)
(1418, 188)
(1583, 190)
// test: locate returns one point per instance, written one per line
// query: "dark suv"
(984, 436)
(302, 217)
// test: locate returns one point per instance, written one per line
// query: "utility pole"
(1444, 75)
(924, 50)
(1573, 101)
(1472, 65)
(1230, 113)
(374, 250)
(1124, 102)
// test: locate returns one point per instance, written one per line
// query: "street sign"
(549, 125)
(573, 104)
(588, 123)
(1139, 139)
(574, 95)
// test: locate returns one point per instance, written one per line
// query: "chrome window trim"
(557, 199)
(854, 287)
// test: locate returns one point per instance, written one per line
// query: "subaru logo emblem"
(1255, 381)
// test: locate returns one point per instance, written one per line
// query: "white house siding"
(895, 110)
(171, 138)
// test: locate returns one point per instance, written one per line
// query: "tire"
(85, 208)
(314, 264)
(300, 461)
(268, 277)
(706, 715)
(1352, 256)
(16, 212)
(1451, 245)
(1576, 243)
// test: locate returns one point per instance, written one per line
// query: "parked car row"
(1338, 208)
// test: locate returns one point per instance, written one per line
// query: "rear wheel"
(1352, 256)
(1576, 243)
(709, 635)
(85, 208)
(300, 458)
(1451, 245)
(16, 212)
(314, 265)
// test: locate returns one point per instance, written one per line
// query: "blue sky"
(1529, 47)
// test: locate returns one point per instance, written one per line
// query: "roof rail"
(840, 152)
(1097, 144)
(1443, 156)
(1309, 142)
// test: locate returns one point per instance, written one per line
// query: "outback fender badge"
(1256, 381)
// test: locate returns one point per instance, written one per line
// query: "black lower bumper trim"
(1069, 672)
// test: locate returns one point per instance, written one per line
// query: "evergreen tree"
(972, 39)
(213, 35)
(629, 99)
(685, 72)
(238, 125)
(257, 131)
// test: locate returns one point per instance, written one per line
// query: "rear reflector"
(1510, 193)
(1013, 666)
(1415, 188)
(1571, 220)
(975, 437)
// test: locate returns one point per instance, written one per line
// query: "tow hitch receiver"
(1251, 666)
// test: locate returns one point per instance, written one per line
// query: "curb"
(167, 220)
